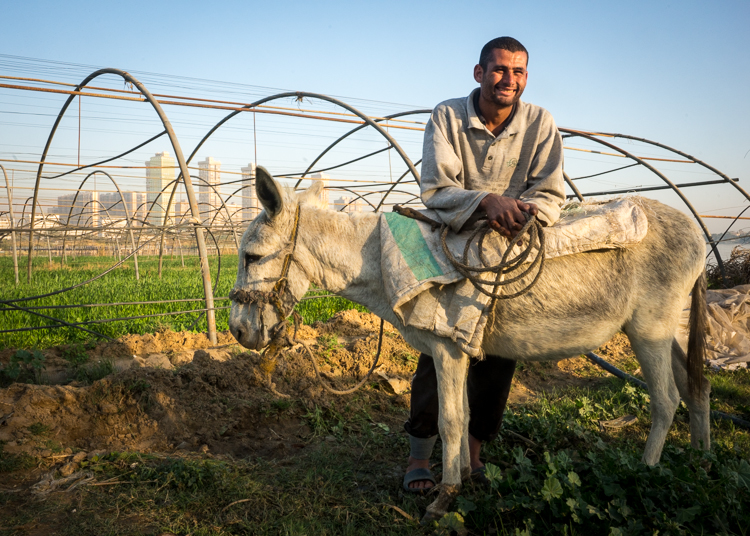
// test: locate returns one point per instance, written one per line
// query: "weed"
(24, 367)
(39, 429)
(95, 372)
(327, 344)
(281, 405)
(76, 355)
(14, 462)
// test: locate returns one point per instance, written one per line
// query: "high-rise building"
(86, 210)
(135, 202)
(208, 199)
(160, 176)
(250, 205)
(324, 178)
(182, 211)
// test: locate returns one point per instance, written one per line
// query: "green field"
(177, 283)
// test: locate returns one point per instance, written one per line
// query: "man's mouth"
(505, 90)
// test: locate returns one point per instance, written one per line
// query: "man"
(489, 154)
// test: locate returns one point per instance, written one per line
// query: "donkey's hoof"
(430, 516)
(439, 507)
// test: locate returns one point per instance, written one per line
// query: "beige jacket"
(462, 161)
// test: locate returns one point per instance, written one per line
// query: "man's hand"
(505, 214)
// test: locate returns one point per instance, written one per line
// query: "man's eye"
(250, 259)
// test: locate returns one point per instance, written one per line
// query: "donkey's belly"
(579, 303)
(547, 341)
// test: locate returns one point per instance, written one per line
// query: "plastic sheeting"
(728, 337)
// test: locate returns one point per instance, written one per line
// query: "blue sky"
(675, 72)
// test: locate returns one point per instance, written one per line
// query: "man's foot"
(475, 446)
(419, 485)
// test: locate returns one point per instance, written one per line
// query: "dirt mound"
(166, 394)
(174, 391)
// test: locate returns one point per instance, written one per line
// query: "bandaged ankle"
(421, 448)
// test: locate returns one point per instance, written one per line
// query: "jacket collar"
(476, 121)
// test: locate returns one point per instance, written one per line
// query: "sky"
(674, 72)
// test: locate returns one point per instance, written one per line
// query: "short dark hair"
(503, 43)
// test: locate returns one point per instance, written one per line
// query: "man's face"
(504, 80)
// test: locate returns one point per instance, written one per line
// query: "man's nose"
(507, 78)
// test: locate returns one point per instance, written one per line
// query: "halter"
(275, 295)
(278, 337)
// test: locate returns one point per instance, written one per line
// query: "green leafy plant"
(25, 366)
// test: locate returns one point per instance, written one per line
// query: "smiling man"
(492, 155)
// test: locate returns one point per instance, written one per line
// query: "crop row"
(177, 282)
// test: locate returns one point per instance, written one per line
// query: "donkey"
(579, 302)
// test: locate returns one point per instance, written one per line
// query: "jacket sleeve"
(442, 184)
(546, 186)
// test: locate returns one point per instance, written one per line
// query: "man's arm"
(442, 188)
(546, 185)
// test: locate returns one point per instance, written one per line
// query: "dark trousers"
(488, 386)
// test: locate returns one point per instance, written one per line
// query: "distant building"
(250, 205)
(182, 211)
(208, 199)
(160, 173)
(346, 204)
(134, 202)
(79, 209)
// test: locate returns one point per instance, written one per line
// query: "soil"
(175, 392)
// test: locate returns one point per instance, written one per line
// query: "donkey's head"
(271, 278)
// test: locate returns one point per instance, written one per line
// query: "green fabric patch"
(409, 239)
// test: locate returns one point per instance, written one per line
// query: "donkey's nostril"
(236, 332)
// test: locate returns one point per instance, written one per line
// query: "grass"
(121, 286)
(554, 471)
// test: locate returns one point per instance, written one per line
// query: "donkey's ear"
(268, 192)
(311, 196)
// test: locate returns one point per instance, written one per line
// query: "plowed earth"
(174, 392)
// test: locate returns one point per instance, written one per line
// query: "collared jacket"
(462, 161)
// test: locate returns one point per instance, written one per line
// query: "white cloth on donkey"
(425, 290)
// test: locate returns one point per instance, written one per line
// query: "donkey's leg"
(655, 359)
(465, 455)
(698, 404)
(451, 377)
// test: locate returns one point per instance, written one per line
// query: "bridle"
(278, 333)
(274, 296)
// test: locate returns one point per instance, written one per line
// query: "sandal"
(418, 474)
(478, 475)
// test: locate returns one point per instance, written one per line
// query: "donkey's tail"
(696, 354)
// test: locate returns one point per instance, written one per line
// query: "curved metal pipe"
(124, 204)
(12, 223)
(206, 273)
(572, 186)
(357, 129)
(662, 177)
(299, 95)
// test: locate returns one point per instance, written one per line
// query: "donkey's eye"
(250, 259)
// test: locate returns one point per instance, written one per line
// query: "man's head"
(501, 71)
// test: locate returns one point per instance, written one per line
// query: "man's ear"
(268, 192)
(478, 73)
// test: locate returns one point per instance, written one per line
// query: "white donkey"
(579, 303)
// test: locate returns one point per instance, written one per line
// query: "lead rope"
(279, 338)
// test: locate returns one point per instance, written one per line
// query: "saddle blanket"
(427, 292)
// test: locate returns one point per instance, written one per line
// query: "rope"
(269, 356)
(361, 382)
(535, 232)
(533, 228)
(279, 336)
